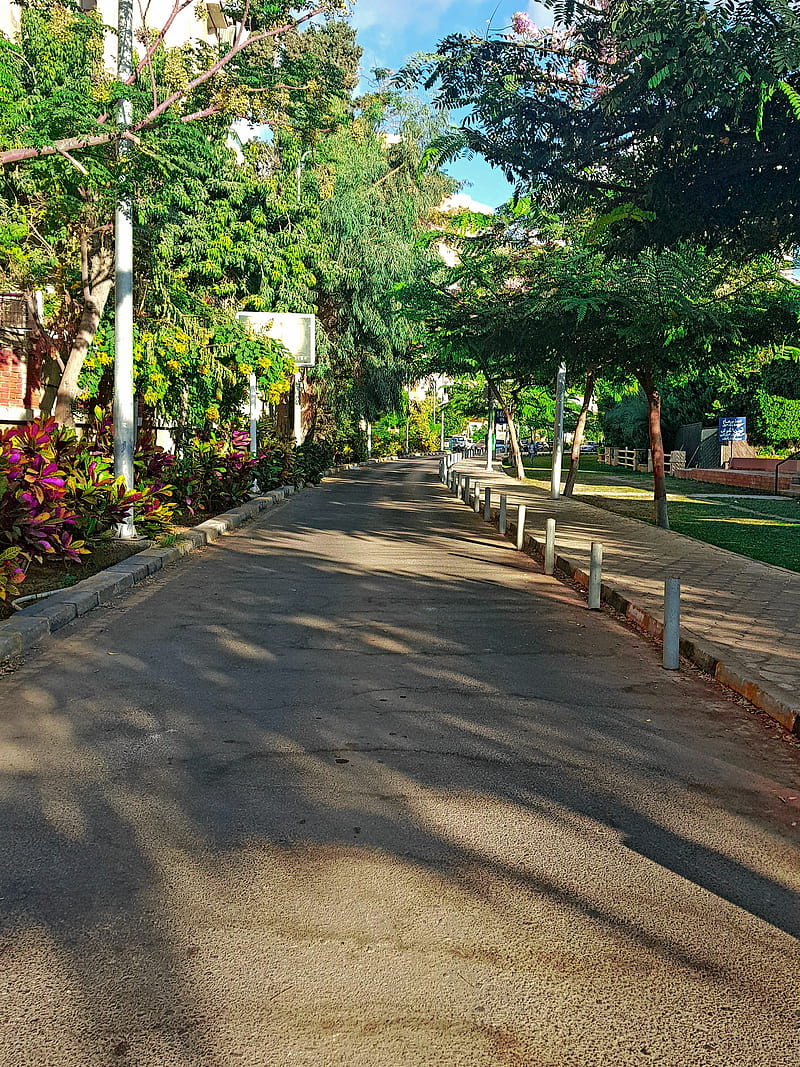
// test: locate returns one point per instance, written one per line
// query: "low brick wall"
(763, 480)
(764, 463)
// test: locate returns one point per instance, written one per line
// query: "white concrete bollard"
(595, 575)
(487, 504)
(520, 526)
(550, 546)
(672, 624)
(503, 512)
(476, 499)
(465, 494)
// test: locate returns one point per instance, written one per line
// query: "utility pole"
(408, 413)
(124, 415)
(558, 433)
(253, 391)
(297, 408)
(490, 430)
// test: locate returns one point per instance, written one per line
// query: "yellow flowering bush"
(196, 373)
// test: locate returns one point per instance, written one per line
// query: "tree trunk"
(577, 440)
(512, 429)
(516, 451)
(660, 511)
(95, 300)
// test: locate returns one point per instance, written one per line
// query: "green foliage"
(778, 420)
(782, 376)
(625, 424)
(329, 214)
(424, 433)
(672, 120)
(11, 573)
(214, 473)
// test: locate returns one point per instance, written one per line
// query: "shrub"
(276, 463)
(153, 506)
(11, 573)
(35, 513)
(312, 459)
(99, 500)
(214, 473)
(778, 420)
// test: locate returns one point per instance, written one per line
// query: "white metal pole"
(672, 624)
(369, 440)
(521, 526)
(298, 410)
(558, 433)
(549, 546)
(253, 383)
(124, 428)
(490, 433)
(595, 575)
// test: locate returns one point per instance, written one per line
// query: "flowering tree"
(677, 120)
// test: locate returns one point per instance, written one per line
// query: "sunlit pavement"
(358, 785)
(746, 612)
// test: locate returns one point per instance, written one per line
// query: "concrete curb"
(28, 627)
(695, 649)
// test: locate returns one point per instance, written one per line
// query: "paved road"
(359, 786)
(747, 613)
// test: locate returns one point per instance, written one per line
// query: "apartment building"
(199, 21)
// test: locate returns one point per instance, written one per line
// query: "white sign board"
(297, 332)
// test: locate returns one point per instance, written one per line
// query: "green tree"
(676, 120)
(57, 193)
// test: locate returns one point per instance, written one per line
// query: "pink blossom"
(523, 24)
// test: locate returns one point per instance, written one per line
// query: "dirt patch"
(45, 577)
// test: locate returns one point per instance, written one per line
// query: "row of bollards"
(470, 493)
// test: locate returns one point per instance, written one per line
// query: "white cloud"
(541, 15)
(462, 202)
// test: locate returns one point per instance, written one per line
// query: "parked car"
(590, 446)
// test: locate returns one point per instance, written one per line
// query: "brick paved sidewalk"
(740, 618)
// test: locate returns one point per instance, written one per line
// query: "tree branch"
(78, 166)
(149, 65)
(85, 285)
(69, 144)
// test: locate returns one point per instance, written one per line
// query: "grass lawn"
(728, 522)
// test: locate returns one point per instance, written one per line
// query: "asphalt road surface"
(360, 786)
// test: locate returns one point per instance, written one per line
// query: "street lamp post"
(490, 433)
(124, 428)
(558, 433)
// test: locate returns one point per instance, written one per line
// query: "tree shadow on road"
(339, 754)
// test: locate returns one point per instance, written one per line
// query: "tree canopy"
(675, 118)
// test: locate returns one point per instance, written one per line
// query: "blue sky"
(391, 30)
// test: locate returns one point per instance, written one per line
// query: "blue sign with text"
(734, 429)
(500, 419)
